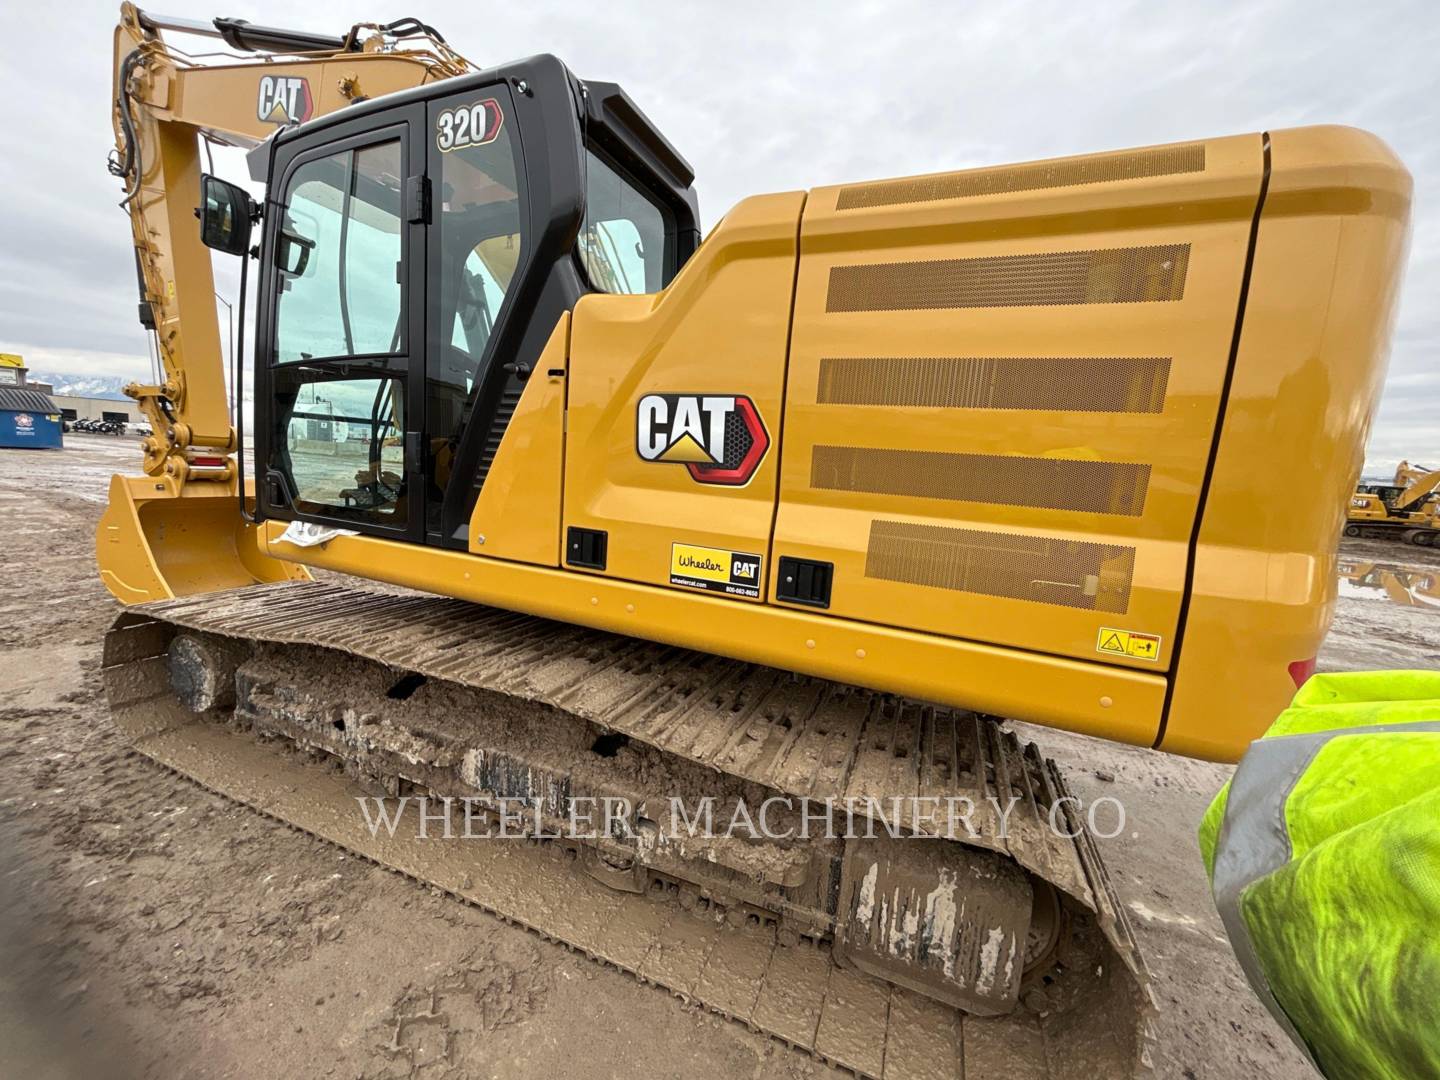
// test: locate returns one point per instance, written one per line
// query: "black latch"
(417, 200)
(804, 581)
(586, 547)
(277, 490)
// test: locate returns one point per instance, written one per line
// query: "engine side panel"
(1003, 388)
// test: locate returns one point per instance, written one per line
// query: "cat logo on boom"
(719, 438)
(284, 99)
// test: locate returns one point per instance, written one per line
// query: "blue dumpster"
(28, 419)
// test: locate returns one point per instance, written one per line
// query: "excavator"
(549, 499)
(1407, 508)
(1407, 586)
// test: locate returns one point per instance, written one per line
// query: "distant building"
(28, 418)
(122, 411)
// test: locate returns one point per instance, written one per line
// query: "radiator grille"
(1132, 165)
(1101, 487)
(1072, 384)
(1109, 276)
(1070, 573)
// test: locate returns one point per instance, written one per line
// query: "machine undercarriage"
(777, 848)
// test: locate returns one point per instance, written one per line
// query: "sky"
(782, 96)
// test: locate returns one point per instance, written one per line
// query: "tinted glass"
(622, 237)
(343, 219)
(481, 239)
(345, 444)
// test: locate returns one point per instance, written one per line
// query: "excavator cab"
(415, 255)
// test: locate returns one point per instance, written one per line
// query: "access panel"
(674, 403)
(1002, 390)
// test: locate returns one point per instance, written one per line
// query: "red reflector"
(1300, 670)
(207, 461)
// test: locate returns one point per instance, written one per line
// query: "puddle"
(1408, 586)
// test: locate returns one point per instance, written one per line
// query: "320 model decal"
(468, 125)
(719, 438)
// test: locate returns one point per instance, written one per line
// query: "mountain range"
(94, 386)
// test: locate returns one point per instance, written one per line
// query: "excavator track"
(406, 692)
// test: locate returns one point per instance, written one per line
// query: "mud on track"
(150, 928)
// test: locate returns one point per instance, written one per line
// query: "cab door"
(340, 357)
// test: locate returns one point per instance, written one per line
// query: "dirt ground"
(153, 929)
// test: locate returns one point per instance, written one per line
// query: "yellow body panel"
(517, 515)
(722, 327)
(1328, 258)
(1096, 699)
(898, 319)
(887, 525)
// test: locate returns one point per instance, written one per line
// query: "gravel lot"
(151, 928)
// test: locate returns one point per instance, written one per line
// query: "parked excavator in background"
(1406, 509)
(1406, 586)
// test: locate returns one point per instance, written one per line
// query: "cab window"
(479, 188)
(344, 443)
(622, 236)
(339, 253)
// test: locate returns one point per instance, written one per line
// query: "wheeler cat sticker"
(735, 573)
(284, 99)
(719, 438)
(464, 126)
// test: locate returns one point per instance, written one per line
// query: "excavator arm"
(1418, 483)
(165, 103)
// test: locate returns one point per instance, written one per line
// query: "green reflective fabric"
(1349, 937)
(1334, 702)
(1347, 931)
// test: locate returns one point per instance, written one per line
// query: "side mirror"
(226, 211)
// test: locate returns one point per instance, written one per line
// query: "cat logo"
(284, 99)
(719, 439)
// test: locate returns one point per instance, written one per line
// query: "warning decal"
(1128, 643)
(715, 570)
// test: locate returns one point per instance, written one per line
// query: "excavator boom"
(176, 529)
(1419, 482)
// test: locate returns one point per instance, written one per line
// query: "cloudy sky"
(776, 96)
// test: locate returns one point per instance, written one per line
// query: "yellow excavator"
(785, 520)
(1407, 586)
(1406, 509)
